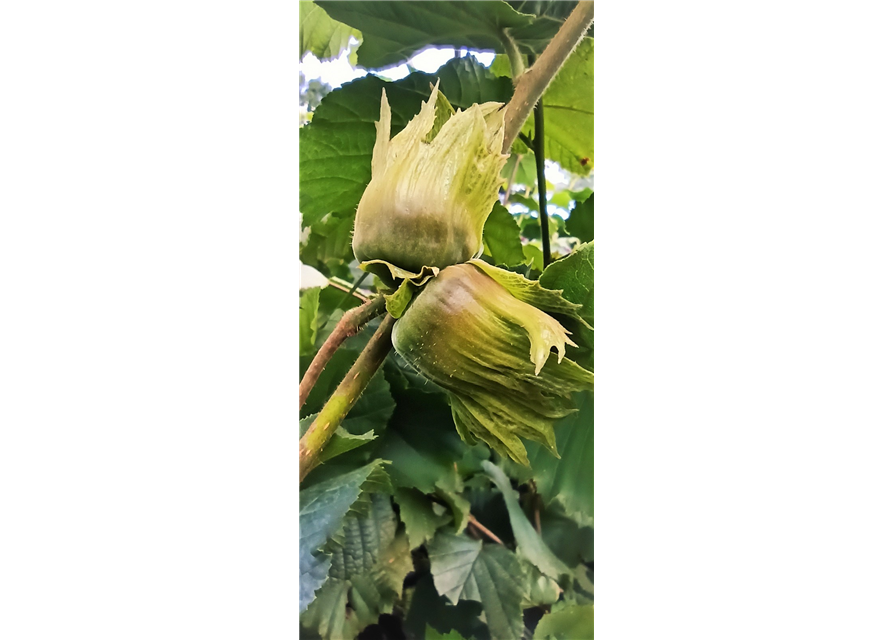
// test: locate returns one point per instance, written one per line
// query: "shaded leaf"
(428, 608)
(530, 544)
(574, 276)
(466, 569)
(502, 237)
(569, 480)
(323, 507)
(431, 634)
(589, 219)
(395, 31)
(366, 577)
(417, 513)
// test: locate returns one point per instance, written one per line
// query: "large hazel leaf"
(336, 147)
(568, 480)
(466, 569)
(323, 508)
(320, 35)
(530, 544)
(395, 31)
(574, 275)
(568, 110)
(366, 576)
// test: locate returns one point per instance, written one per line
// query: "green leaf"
(466, 569)
(530, 544)
(397, 302)
(526, 174)
(417, 513)
(568, 481)
(320, 35)
(570, 541)
(364, 539)
(568, 110)
(342, 440)
(551, 14)
(309, 308)
(573, 622)
(421, 442)
(323, 508)
(327, 247)
(326, 614)
(366, 577)
(431, 634)
(533, 256)
(395, 31)
(336, 147)
(581, 223)
(574, 276)
(502, 237)
(539, 589)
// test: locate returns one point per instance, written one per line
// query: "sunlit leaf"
(320, 35)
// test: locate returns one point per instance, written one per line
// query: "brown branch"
(345, 396)
(533, 82)
(349, 325)
(473, 521)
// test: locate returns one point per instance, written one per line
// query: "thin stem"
(353, 289)
(349, 325)
(532, 84)
(473, 521)
(539, 152)
(508, 186)
(516, 62)
(348, 291)
(345, 396)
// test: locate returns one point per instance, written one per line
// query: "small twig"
(533, 82)
(536, 515)
(539, 152)
(345, 396)
(473, 521)
(349, 325)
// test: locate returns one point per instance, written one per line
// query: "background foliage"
(399, 527)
